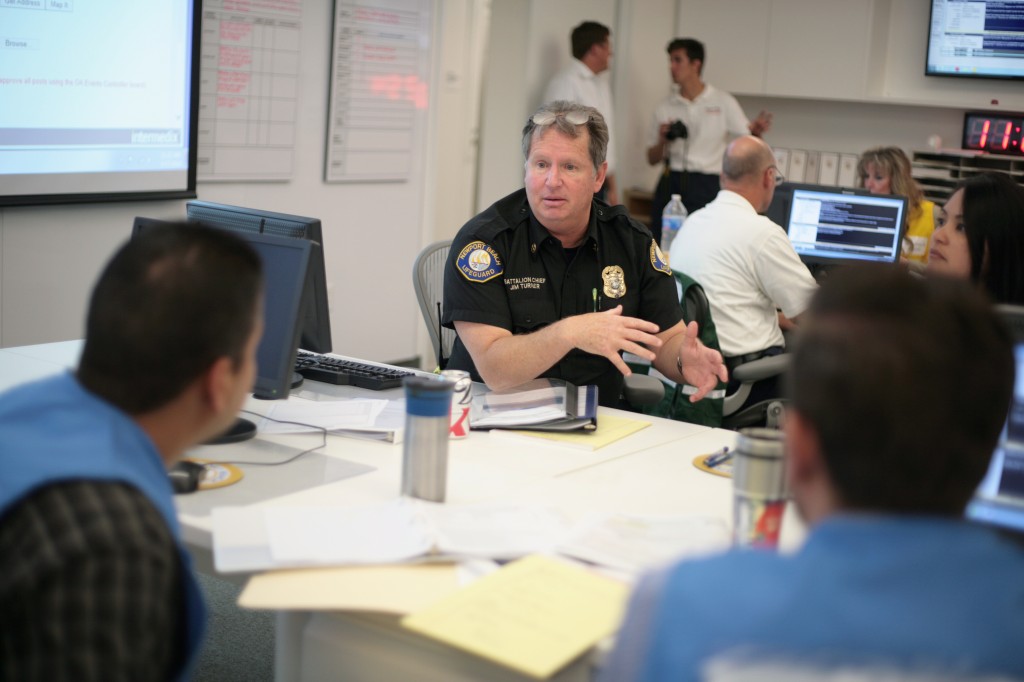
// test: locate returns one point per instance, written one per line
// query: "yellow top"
(919, 233)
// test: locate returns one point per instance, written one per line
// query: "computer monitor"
(316, 323)
(999, 500)
(285, 264)
(830, 225)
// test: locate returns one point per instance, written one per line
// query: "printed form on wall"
(249, 89)
(379, 87)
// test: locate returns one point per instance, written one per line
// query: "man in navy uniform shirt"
(550, 282)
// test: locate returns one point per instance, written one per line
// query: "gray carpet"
(239, 643)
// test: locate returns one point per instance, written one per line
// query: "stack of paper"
(262, 538)
(546, 404)
(370, 418)
(535, 615)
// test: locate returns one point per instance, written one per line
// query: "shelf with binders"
(939, 172)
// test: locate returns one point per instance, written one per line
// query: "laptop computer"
(999, 500)
(829, 226)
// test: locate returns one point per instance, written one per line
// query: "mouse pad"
(218, 474)
(261, 483)
(723, 469)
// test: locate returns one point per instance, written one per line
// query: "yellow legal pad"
(534, 615)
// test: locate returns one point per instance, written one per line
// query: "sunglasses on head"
(544, 118)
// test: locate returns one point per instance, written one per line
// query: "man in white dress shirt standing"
(585, 81)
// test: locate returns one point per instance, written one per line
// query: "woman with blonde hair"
(886, 170)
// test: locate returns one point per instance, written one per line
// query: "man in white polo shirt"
(693, 152)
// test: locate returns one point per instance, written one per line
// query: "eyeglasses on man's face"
(779, 177)
(544, 118)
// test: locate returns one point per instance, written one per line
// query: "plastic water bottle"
(672, 218)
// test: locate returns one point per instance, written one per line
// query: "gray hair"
(595, 125)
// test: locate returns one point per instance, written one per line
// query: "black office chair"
(428, 282)
(720, 409)
(767, 412)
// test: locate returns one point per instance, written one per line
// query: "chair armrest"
(762, 368)
(641, 390)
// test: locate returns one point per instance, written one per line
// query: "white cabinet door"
(789, 48)
(735, 36)
(819, 48)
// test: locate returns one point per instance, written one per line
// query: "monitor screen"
(976, 39)
(100, 100)
(999, 499)
(832, 225)
(316, 323)
(285, 264)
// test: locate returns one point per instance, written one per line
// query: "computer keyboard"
(332, 370)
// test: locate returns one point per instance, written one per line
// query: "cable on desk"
(323, 442)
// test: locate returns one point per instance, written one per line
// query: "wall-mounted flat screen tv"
(975, 39)
(98, 100)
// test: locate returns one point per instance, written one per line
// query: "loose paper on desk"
(534, 615)
(634, 543)
(262, 538)
(309, 415)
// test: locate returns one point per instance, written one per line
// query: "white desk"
(649, 472)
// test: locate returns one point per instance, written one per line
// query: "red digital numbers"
(998, 134)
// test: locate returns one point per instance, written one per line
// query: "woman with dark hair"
(980, 236)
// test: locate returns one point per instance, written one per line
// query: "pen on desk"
(594, 292)
(716, 458)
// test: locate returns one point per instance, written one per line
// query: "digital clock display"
(993, 132)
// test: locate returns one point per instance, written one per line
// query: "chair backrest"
(428, 281)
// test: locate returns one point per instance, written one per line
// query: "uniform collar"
(538, 233)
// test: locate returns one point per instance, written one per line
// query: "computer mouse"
(185, 476)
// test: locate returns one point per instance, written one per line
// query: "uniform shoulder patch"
(659, 260)
(478, 262)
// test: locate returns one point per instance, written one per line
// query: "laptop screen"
(832, 224)
(999, 499)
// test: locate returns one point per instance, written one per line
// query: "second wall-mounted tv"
(976, 39)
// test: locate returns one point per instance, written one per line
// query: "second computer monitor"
(828, 225)
(316, 323)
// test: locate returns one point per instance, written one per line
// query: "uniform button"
(533, 248)
(600, 212)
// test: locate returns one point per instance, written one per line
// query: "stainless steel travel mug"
(759, 488)
(428, 403)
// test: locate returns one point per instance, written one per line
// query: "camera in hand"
(677, 129)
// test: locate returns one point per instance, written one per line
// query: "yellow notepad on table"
(534, 615)
(609, 429)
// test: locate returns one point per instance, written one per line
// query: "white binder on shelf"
(828, 168)
(848, 170)
(811, 168)
(797, 165)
